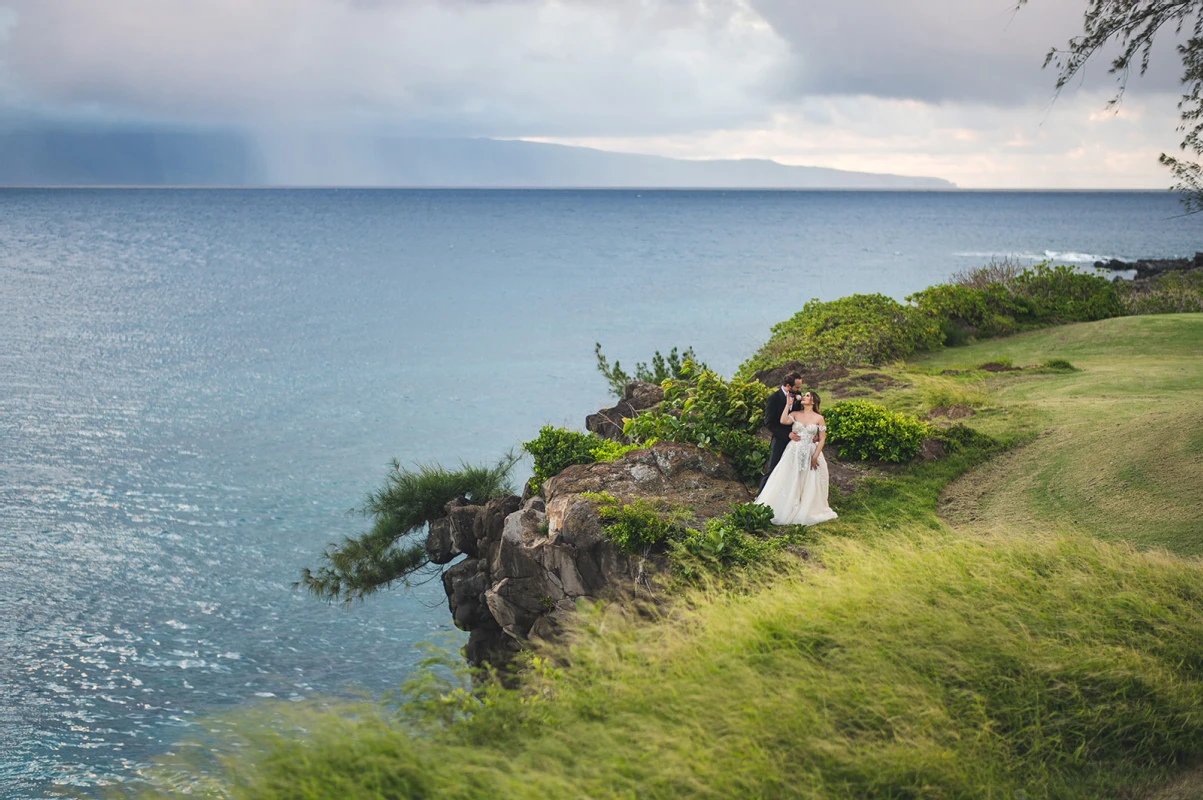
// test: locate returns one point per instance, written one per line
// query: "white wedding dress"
(796, 493)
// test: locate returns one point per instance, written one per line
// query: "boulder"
(535, 559)
(439, 545)
(677, 474)
(636, 397)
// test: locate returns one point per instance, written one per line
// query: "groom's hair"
(789, 379)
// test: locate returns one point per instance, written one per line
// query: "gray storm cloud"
(491, 68)
(520, 67)
(977, 51)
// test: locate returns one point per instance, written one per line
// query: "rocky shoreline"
(1150, 267)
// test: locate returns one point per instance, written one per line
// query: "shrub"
(1059, 364)
(750, 517)
(736, 539)
(860, 329)
(1062, 294)
(637, 526)
(964, 312)
(729, 540)
(866, 431)
(1168, 293)
(719, 546)
(663, 368)
(610, 450)
(999, 271)
(999, 299)
(557, 449)
(702, 409)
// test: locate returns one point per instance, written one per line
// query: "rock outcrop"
(1148, 267)
(636, 397)
(527, 563)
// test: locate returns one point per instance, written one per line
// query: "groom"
(782, 434)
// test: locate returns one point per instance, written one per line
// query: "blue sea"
(197, 387)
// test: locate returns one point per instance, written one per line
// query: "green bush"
(750, 518)
(970, 307)
(860, 329)
(610, 450)
(866, 431)
(1062, 294)
(556, 449)
(636, 527)
(1059, 364)
(965, 312)
(702, 409)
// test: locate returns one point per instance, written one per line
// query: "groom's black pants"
(778, 447)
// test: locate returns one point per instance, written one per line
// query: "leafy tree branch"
(409, 500)
(1133, 25)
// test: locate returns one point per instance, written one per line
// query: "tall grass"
(934, 667)
(952, 394)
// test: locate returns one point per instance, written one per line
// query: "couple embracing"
(795, 485)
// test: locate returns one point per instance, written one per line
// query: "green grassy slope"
(1120, 455)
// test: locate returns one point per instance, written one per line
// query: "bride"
(797, 488)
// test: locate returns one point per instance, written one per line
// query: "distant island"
(110, 156)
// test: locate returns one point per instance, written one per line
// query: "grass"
(1046, 644)
(929, 666)
(1119, 456)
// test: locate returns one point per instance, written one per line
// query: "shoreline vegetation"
(1009, 605)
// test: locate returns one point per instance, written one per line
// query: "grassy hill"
(1031, 629)
(1120, 453)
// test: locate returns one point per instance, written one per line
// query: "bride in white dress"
(797, 488)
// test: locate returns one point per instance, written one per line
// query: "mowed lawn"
(1120, 453)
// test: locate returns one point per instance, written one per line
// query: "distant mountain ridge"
(81, 156)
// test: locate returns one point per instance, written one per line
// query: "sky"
(945, 88)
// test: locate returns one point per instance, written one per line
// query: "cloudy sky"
(947, 88)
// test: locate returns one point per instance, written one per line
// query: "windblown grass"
(935, 667)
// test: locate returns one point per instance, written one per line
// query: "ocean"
(198, 387)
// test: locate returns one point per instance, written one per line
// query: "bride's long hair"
(815, 397)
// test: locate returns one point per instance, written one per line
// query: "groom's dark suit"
(773, 408)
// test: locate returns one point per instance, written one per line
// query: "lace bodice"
(812, 428)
